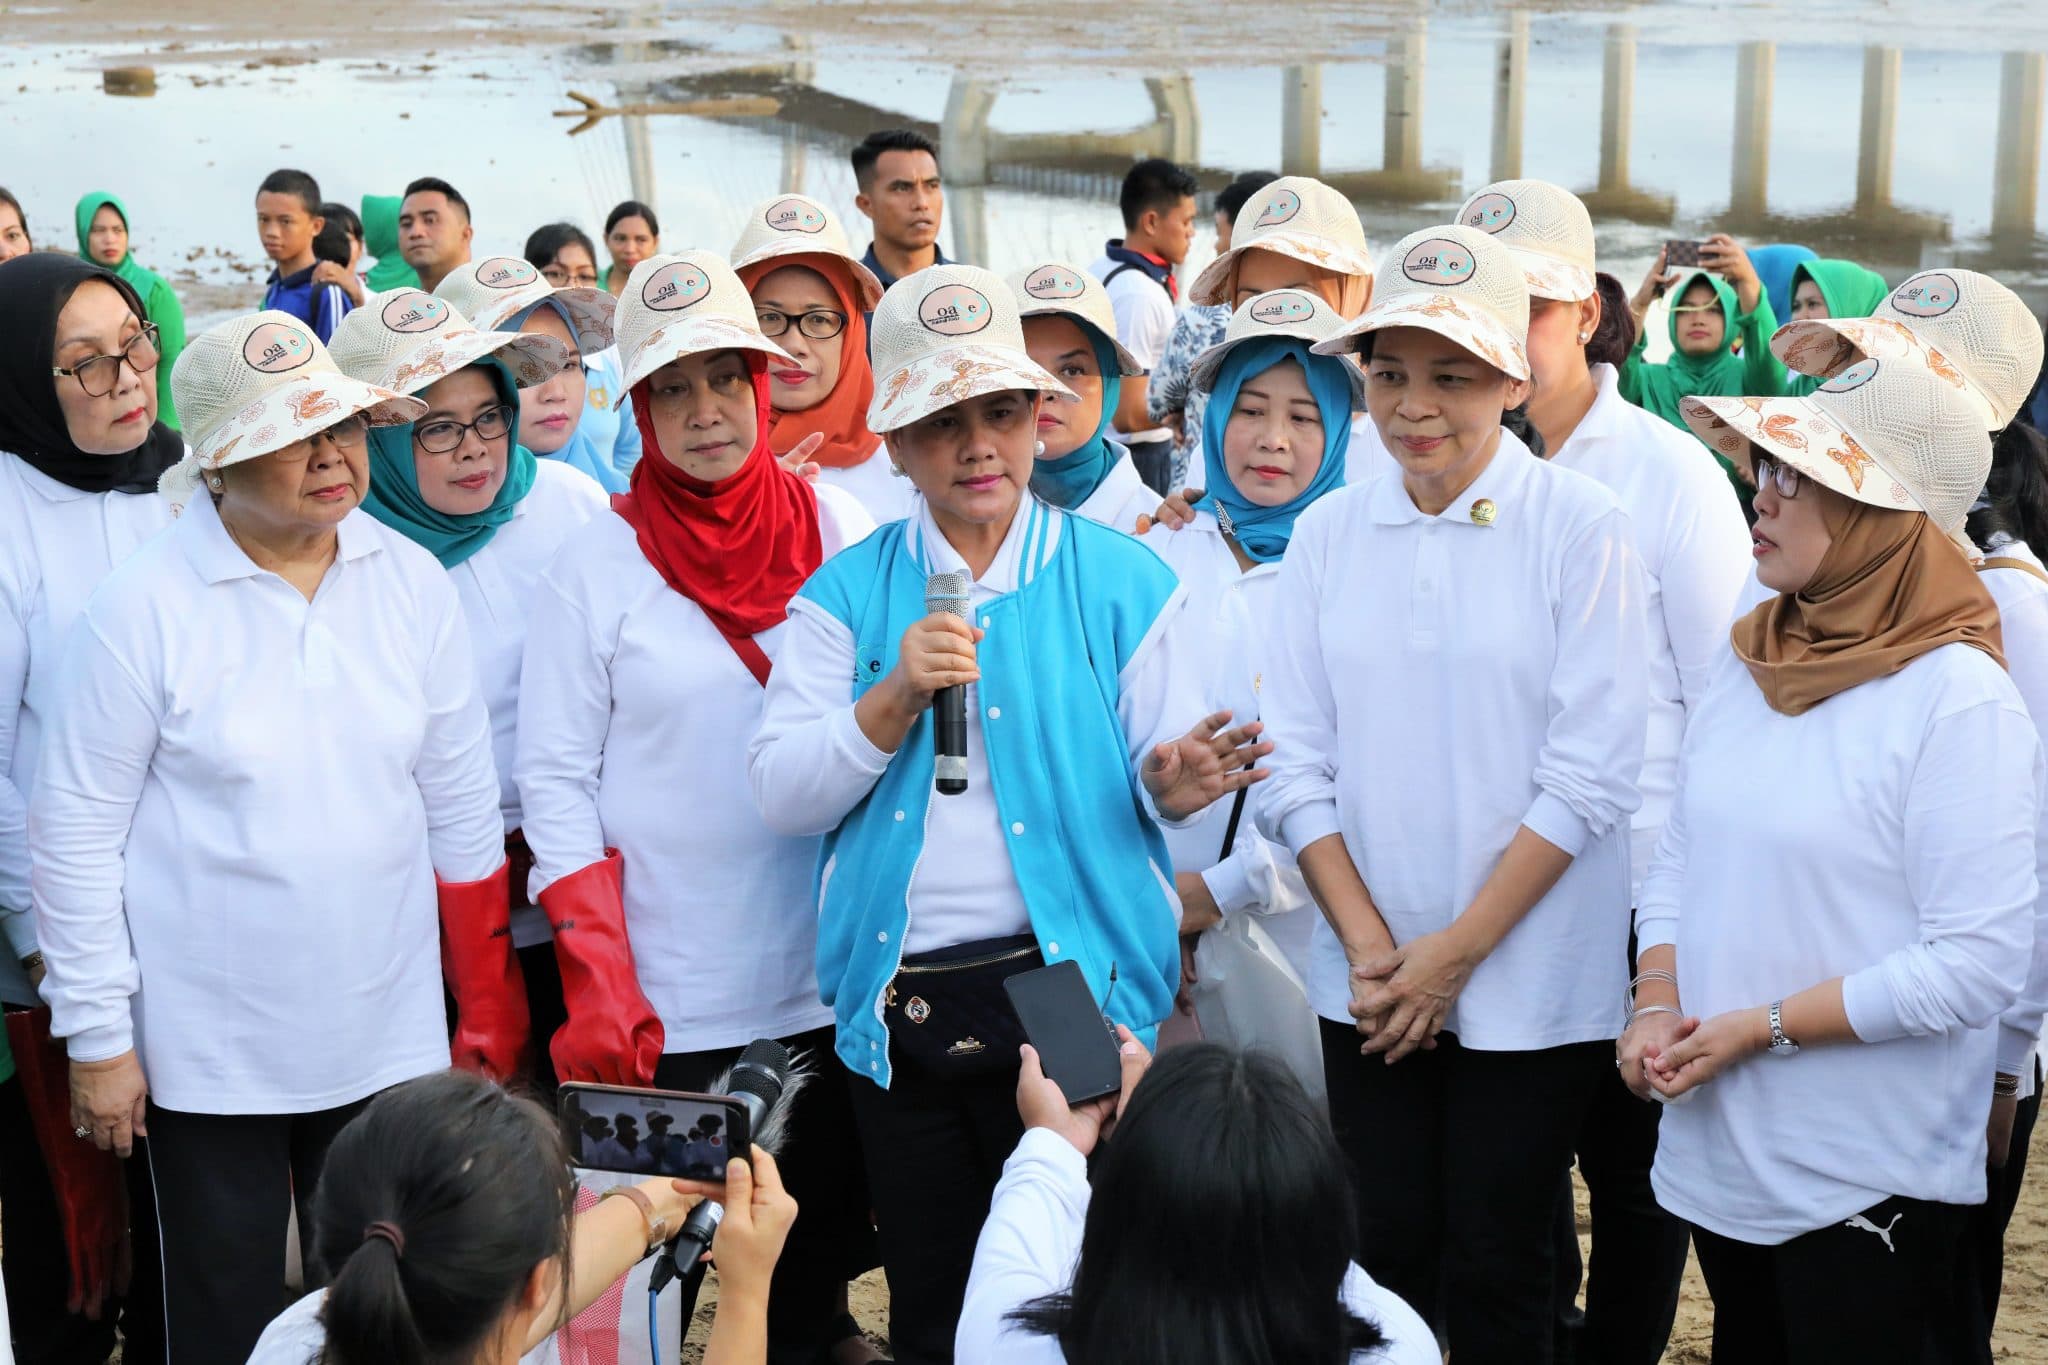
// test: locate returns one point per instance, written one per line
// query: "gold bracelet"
(2004, 1086)
(638, 1197)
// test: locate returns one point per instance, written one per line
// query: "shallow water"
(1775, 122)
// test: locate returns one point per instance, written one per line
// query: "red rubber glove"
(491, 1024)
(92, 1201)
(613, 1036)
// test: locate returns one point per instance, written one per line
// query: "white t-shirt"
(1144, 321)
(2022, 599)
(634, 720)
(295, 1337)
(1888, 836)
(1438, 683)
(56, 545)
(1032, 1240)
(242, 809)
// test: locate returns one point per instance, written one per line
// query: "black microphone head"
(766, 1079)
(950, 593)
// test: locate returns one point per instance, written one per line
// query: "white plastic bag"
(1246, 994)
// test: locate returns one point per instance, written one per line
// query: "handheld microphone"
(949, 593)
(766, 1081)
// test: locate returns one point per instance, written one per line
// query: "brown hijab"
(1890, 588)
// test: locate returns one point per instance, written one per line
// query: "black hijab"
(33, 291)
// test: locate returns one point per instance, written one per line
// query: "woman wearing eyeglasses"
(811, 297)
(605, 441)
(264, 818)
(78, 420)
(459, 483)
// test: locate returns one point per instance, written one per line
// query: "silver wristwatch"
(1781, 1045)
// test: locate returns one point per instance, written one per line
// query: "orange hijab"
(843, 416)
(1890, 588)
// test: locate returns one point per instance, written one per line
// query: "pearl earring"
(1585, 337)
(1040, 452)
(216, 484)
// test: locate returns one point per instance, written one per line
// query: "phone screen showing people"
(652, 1132)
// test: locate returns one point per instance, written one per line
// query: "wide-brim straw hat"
(1062, 287)
(943, 335)
(680, 305)
(1297, 217)
(796, 225)
(1546, 228)
(1295, 313)
(1458, 282)
(406, 340)
(494, 291)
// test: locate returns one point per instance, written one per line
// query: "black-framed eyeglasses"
(99, 374)
(818, 324)
(439, 438)
(1784, 480)
(561, 277)
(346, 434)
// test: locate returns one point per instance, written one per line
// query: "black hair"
(1218, 1148)
(19, 212)
(547, 242)
(331, 243)
(430, 184)
(298, 184)
(1615, 337)
(1239, 192)
(1154, 183)
(869, 150)
(631, 208)
(467, 1188)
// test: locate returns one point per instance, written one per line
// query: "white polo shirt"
(1888, 836)
(1439, 682)
(634, 721)
(242, 808)
(1121, 498)
(1144, 322)
(56, 545)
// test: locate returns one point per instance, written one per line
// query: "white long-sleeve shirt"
(874, 483)
(1032, 1241)
(56, 545)
(1436, 684)
(2022, 599)
(1121, 498)
(1230, 614)
(1888, 836)
(242, 807)
(497, 586)
(634, 719)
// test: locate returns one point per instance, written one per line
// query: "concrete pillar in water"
(963, 132)
(1877, 138)
(1617, 105)
(1749, 188)
(1301, 120)
(1173, 102)
(2017, 179)
(1402, 135)
(1509, 93)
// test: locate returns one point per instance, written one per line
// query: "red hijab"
(739, 548)
(843, 416)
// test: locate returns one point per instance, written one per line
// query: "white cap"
(943, 335)
(795, 225)
(405, 340)
(1297, 217)
(682, 305)
(1293, 313)
(263, 381)
(1966, 327)
(493, 291)
(1058, 287)
(1455, 281)
(1546, 228)
(1882, 432)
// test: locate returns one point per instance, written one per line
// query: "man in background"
(1158, 205)
(897, 172)
(433, 230)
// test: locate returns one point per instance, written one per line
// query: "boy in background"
(339, 251)
(288, 220)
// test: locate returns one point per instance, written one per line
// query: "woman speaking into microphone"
(1087, 726)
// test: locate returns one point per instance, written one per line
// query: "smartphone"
(1680, 254)
(652, 1132)
(1076, 1044)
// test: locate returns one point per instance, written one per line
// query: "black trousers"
(1154, 462)
(935, 1150)
(546, 1012)
(1980, 1259)
(1876, 1289)
(1457, 1157)
(225, 1186)
(833, 1239)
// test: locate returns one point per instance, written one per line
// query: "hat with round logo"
(682, 305)
(494, 291)
(793, 225)
(1458, 282)
(1297, 217)
(1296, 313)
(1546, 228)
(943, 335)
(1966, 327)
(405, 340)
(1060, 287)
(261, 382)
(1886, 432)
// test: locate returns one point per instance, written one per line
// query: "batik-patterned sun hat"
(793, 225)
(1297, 217)
(682, 305)
(943, 335)
(1061, 287)
(1547, 230)
(1458, 282)
(1293, 313)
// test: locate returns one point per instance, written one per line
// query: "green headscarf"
(380, 239)
(159, 301)
(394, 497)
(1849, 290)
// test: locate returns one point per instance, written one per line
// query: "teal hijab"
(1265, 531)
(394, 497)
(1069, 480)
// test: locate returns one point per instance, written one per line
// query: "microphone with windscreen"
(949, 593)
(766, 1081)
